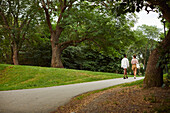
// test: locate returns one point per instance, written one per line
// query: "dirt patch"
(128, 99)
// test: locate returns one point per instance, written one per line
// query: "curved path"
(45, 100)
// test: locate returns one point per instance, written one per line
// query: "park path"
(45, 100)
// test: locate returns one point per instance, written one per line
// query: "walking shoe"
(124, 78)
(127, 77)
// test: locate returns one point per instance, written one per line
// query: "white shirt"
(125, 63)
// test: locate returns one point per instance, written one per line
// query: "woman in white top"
(134, 62)
(125, 65)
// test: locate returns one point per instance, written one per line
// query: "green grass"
(14, 77)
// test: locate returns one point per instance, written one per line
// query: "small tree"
(16, 18)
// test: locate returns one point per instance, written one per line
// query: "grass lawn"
(14, 77)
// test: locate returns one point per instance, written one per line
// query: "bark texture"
(153, 76)
(56, 58)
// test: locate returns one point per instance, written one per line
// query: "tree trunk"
(56, 58)
(153, 76)
(15, 54)
(56, 52)
(154, 73)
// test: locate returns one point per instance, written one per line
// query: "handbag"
(137, 65)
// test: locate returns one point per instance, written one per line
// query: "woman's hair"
(134, 56)
(124, 55)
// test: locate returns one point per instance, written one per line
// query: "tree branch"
(63, 7)
(4, 19)
(71, 43)
(163, 6)
(6, 23)
(64, 45)
(47, 16)
(96, 44)
(70, 4)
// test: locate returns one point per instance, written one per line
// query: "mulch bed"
(132, 99)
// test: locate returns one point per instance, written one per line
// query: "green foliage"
(24, 77)
(37, 53)
(5, 51)
(151, 32)
(101, 28)
(164, 60)
(84, 58)
(15, 15)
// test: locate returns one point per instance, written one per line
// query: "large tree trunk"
(153, 76)
(154, 73)
(15, 54)
(56, 52)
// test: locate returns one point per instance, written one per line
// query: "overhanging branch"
(165, 9)
(64, 45)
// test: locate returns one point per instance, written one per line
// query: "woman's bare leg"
(135, 72)
(125, 72)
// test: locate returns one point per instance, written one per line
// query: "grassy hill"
(23, 77)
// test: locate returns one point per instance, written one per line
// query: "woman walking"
(125, 65)
(134, 63)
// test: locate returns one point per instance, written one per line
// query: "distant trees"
(147, 38)
(86, 58)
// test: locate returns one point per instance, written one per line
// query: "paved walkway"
(45, 100)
